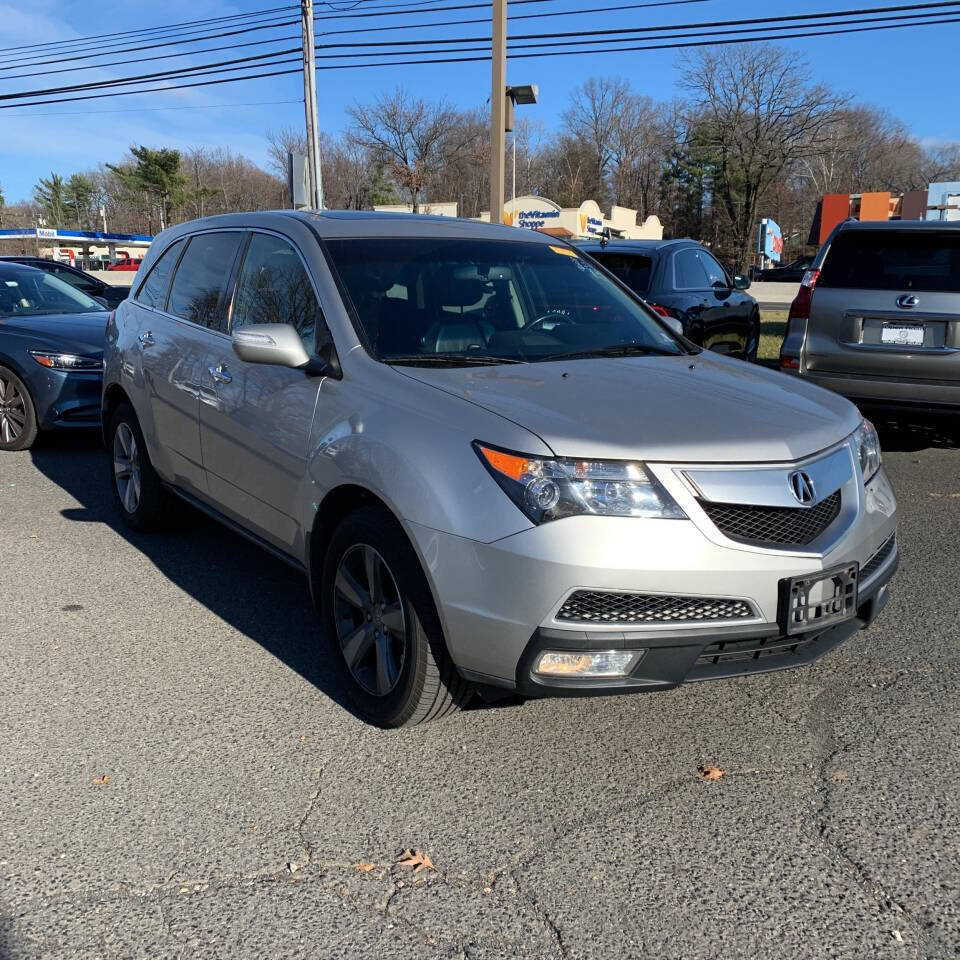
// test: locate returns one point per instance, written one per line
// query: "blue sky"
(911, 72)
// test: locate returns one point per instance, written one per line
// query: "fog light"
(603, 663)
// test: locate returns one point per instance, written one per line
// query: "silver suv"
(877, 317)
(497, 467)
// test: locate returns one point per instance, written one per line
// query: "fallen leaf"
(416, 859)
(897, 936)
(363, 867)
(303, 739)
(711, 772)
(839, 775)
(101, 781)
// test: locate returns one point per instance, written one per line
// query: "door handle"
(220, 375)
(146, 339)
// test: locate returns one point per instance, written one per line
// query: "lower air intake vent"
(587, 606)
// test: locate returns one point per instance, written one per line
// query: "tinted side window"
(690, 272)
(89, 286)
(715, 273)
(153, 290)
(893, 260)
(273, 287)
(633, 269)
(202, 276)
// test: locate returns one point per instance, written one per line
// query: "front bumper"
(499, 602)
(66, 398)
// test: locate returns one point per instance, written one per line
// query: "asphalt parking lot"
(180, 777)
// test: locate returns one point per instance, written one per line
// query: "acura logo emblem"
(802, 486)
(907, 300)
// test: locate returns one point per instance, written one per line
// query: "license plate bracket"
(819, 600)
(902, 334)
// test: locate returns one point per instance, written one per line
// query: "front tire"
(137, 490)
(18, 416)
(382, 628)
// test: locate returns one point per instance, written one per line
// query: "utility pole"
(310, 105)
(498, 98)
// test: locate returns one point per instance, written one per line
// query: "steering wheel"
(560, 318)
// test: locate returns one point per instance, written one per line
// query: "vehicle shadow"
(205, 560)
(910, 432)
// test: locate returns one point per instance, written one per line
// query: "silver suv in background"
(877, 318)
(497, 467)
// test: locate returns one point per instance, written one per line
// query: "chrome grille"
(586, 606)
(879, 558)
(773, 526)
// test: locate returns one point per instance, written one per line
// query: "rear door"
(256, 430)
(887, 304)
(175, 340)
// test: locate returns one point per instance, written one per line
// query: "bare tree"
(412, 138)
(756, 111)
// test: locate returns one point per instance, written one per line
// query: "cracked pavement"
(247, 813)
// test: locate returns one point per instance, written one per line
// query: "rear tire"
(18, 416)
(137, 489)
(382, 628)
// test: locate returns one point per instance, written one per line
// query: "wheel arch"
(337, 504)
(113, 396)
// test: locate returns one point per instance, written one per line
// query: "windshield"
(28, 292)
(438, 300)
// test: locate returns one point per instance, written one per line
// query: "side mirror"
(741, 283)
(275, 343)
(674, 324)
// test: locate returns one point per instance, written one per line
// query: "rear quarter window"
(893, 260)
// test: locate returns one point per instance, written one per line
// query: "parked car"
(51, 355)
(681, 279)
(785, 273)
(91, 286)
(126, 263)
(497, 467)
(877, 318)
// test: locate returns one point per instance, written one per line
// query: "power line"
(477, 59)
(258, 26)
(181, 106)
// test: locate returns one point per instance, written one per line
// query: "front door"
(256, 433)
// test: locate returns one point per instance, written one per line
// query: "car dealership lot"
(181, 778)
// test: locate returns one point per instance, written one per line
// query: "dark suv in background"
(877, 318)
(683, 280)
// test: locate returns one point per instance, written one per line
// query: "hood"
(83, 333)
(701, 408)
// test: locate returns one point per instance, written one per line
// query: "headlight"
(65, 361)
(550, 489)
(867, 444)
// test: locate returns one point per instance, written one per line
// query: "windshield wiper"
(449, 359)
(616, 350)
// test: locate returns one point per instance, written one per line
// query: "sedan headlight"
(866, 442)
(548, 489)
(66, 361)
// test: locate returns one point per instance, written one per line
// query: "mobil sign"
(771, 240)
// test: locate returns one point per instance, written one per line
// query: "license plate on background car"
(819, 600)
(911, 336)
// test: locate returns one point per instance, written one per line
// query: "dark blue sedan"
(51, 355)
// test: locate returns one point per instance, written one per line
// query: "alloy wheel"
(371, 625)
(13, 411)
(126, 467)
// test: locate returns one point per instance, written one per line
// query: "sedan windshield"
(461, 302)
(28, 292)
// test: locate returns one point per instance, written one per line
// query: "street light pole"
(310, 105)
(497, 106)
